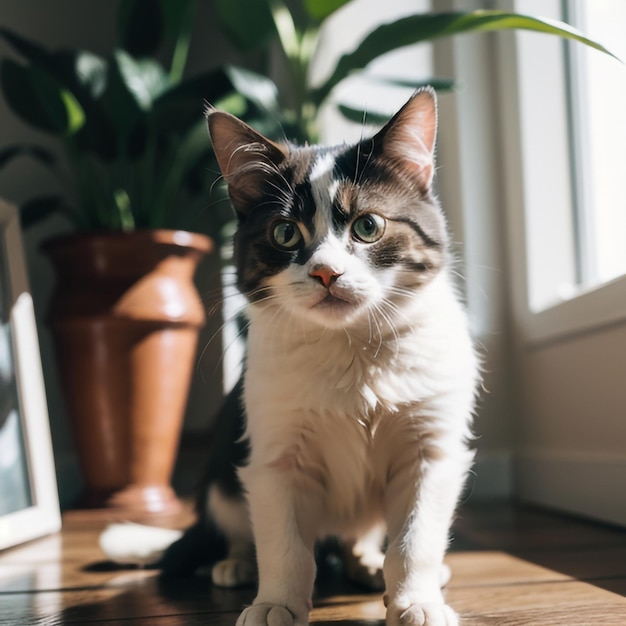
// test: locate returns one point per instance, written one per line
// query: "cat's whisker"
(397, 312)
(367, 161)
(241, 334)
(208, 344)
(345, 330)
(217, 181)
(392, 325)
(218, 301)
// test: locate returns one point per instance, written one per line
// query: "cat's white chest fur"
(339, 411)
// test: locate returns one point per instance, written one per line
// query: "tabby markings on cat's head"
(335, 234)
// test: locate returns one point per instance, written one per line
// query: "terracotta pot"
(125, 316)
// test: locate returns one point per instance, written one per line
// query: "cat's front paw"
(266, 615)
(233, 573)
(421, 614)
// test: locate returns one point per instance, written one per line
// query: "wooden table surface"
(510, 567)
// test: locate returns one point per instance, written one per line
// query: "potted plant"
(125, 314)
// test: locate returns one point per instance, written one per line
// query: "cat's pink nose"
(324, 274)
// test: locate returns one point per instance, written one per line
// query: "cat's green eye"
(368, 228)
(286, 235)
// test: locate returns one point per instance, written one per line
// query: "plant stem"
(89, 203)
(296, 49)
(183, 41)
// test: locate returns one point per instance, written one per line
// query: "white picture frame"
(29, 504)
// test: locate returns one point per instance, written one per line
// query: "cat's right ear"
(245, 157)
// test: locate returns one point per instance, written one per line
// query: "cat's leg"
(363, 558)
(231, 515)
(238, 569)
(284, 522)
(420, 503)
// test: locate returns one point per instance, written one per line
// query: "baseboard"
(591, 486)
(491, 477)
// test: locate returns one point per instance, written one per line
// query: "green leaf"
(42, 155)
(175, 15)
(179, 22)
(141, 26)
(30, 50)
(181, 106)
(194, 146)
(145, 79)
(37, 209)
(39, 99)
(208, 87)
(362, 116)
(87, 76)
(321, 9)
(439, 84)
(83, 72)
(124, 215)
(257, 88)
(120, 109)
(233, 102)
(248, 23)
(424, 27)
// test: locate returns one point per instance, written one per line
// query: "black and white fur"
(361, 375)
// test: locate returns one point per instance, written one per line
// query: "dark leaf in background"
(183, 105)
(141, 26)
(439, 84)
(375, 117)
(121, 109)
(248, 23)
(207, 87)
(28, 49)
(87, 76)
(82, 71)
(39, 99)
(321, 9)
(38, 153)
(37, 209)
(364, 116)
(175, 15)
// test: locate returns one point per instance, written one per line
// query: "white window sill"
(589, 311)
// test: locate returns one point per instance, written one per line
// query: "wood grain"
(510, 567)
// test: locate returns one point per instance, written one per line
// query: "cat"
(360, 379)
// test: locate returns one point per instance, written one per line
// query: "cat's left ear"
(245, 157)
(408, 139)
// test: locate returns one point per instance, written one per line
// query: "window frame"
(525, 59)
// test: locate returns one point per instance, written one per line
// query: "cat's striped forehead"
(326, 182)
(331, 186)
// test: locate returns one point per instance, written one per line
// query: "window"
(567, 256)
(597, 93)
